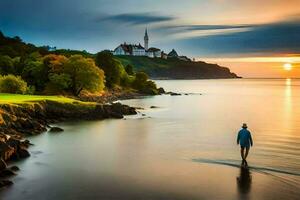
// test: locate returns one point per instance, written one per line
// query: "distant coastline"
(207, 78)
(158, 68)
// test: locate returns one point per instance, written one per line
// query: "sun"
(287, 66)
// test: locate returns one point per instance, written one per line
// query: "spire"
(146, 39)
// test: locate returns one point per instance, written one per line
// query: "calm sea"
(185, 148)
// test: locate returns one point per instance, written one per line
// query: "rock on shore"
(56, 130)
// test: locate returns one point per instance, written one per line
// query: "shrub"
(150, 88)
(143, 85)
(129, 69)
(127, 81)
(12, 84)
(140, 80)
(30, 89)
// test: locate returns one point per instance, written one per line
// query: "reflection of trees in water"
(244, 180)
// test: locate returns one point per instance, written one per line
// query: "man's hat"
(244, 125)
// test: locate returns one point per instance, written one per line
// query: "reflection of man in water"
(244, 139)
(244, 180)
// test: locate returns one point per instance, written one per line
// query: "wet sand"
(164, 179)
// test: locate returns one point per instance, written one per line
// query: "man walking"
(245, 140)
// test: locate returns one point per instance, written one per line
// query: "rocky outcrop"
(161, 90)
(12, 147)
(18, 121)
(14, 168)
(56, 130)
(31, 119)
(5, 183)
(173, 93)
(2, 164)
(60, 112)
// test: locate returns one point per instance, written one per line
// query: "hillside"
(154, 67)
(159, 68)
(15, 47)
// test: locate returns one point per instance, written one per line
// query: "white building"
(133, 49)
(139, 50)
(130, 49)
(154, 52)
(121, 50)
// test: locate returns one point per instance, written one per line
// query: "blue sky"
(196, 28)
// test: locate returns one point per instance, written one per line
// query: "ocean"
(183, 148)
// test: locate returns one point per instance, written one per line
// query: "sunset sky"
(253, 38)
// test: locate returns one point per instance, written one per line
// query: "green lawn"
(19, 98)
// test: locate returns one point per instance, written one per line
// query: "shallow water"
(184, 149)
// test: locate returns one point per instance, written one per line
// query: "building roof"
(129, 47)
(173, 53)
(184, 58)
(153, 49)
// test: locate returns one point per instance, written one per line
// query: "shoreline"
(19, 120)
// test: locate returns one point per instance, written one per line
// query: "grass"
(145, 63)
(21, 99)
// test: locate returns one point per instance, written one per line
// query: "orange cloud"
(260, 67)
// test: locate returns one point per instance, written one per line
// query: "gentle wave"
(235, 163)
(283, 142)
(281, 151)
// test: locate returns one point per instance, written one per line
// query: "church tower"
(146, 40)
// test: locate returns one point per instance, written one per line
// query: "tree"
(55, 63)
(126, 81)
(129, 69)
(112, 68)
(36, 73)
(84, 74)
(12, 84)
(6, 65)
(60, 81)
(69, 52)
(1, 35)
(18, 39)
